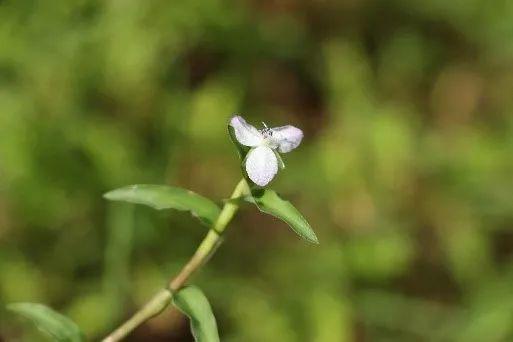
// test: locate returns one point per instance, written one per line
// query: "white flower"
(262, 160)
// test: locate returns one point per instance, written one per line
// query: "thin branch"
(205, 250)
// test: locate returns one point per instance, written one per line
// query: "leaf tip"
(12, 306)
(108, 195)
(19, 306)
(313, 239)
(113, 195)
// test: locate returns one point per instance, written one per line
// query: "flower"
(261, 162)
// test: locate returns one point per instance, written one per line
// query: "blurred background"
(405, 172)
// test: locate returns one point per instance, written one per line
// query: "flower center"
(267, 132)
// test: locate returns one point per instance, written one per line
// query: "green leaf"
(57, 326)
(166, 197)
(270, 203)
(193, 303)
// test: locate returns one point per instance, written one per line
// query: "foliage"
(165, 197)
(270, 203)
(192, 302)
(57, 326)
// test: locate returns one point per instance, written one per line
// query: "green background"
(405, 172)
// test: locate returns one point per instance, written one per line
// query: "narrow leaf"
(270, 203)
(58, 327)
(166, 197)
(193, 303)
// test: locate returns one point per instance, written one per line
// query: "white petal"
(261, 165)
(286, 138)
(246, 134)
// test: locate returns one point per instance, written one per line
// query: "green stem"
(205, 250)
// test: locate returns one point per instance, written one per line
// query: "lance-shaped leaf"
(193, 303)
(167, 197)
(270, 203)
(58, 327)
